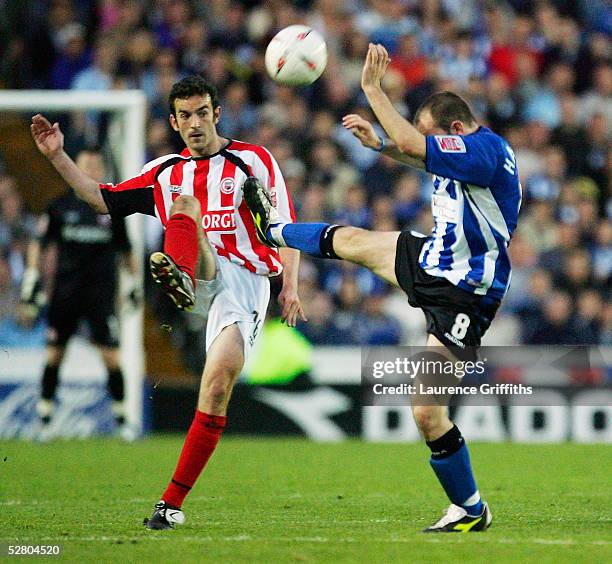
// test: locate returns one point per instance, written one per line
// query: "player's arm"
(365, 132)
(288, 297)
(407, 138)
(32, 294)
(50, 142)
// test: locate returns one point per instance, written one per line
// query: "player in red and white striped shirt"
(197, 192)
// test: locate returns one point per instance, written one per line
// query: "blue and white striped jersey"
(475, 205)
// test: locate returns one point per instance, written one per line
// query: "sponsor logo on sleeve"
(450, 143)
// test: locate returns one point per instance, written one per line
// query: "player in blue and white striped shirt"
(457, 275)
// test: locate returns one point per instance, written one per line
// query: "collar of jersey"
(185, 152)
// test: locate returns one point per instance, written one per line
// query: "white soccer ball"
(296, 56)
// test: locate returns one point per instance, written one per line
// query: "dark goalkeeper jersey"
(87, 242)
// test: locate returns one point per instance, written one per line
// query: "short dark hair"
(446, 107)
(193, 85)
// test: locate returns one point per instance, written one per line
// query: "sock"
(315, 239)
(202, 438)
(115, 384)
(450, 460)
(49, 382)
(181, 243)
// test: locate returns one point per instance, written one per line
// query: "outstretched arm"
(406, 137)
(50, 142)
(365, 132)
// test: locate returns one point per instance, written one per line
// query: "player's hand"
(375, 67)
(362, 129)
(48, 138)
(32, 296)
(291, 308)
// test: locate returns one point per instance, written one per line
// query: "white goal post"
(127, 141)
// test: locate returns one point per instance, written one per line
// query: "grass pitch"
(290, 500)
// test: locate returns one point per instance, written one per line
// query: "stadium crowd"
(538, 73)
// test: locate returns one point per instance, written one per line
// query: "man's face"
(196, 122)
(427, 126)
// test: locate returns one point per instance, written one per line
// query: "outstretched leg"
(373, 249)
(175, 268)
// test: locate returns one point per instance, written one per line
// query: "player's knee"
(217, 387)
(428, 418)
(188, 205)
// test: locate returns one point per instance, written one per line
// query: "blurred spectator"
(408, 61)
(554, 325)
(567, 241)
(407, 200)
(546, 185)
(602, 253)
(328, 169)
(355, 210)
(463, 63)
(502, 105)
(598, 100)
(348, 317)
(72, 56)
(588, 317)
(99, 75)
(598, 145)
(239, 116)
(570, 135)
(321, 328)
(538, 225)
(380, 329)
(529, 300)
(577, 274)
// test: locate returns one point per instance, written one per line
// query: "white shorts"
(242, 299)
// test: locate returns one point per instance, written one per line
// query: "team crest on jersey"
(450, 143)
(228, 185)
(175, 188)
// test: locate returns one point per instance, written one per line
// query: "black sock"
(326, 243)
(115, 384)
(447, 444)
(49, 382)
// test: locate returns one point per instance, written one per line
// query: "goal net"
(20, 367)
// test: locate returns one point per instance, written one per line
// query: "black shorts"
(95, 305)
(457, 318)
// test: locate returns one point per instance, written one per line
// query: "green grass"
(277, 500)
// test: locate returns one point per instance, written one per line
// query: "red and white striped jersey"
(217, 183)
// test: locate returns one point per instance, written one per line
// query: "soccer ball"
(296, 56)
